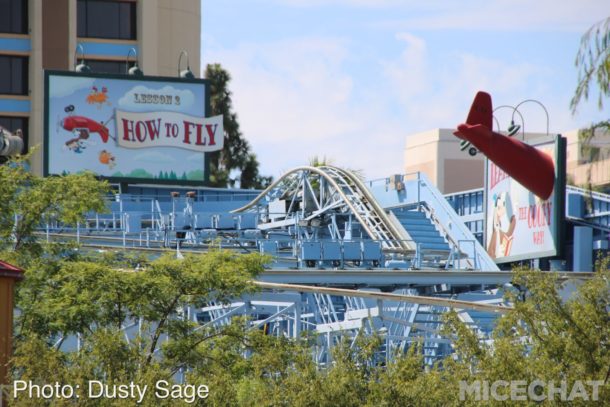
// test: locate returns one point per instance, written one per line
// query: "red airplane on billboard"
(527, 165)
(82, 125)
(72, 123)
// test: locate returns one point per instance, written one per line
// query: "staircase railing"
(452, 223)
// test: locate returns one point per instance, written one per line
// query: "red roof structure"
(10, 271)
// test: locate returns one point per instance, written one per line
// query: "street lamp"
(82, 67)
(543, 108)
(513, 128)
(187, 74)
(135, 69)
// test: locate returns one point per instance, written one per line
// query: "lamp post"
(513, 128)
(543, 108)
(135, 69)
(82, 67)
(187, 74)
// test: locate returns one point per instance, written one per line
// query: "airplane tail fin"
(481, 110)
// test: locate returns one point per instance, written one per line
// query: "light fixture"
(186, 74)
(82, 67)
(543, 108)
(135, 69)
(513, 128)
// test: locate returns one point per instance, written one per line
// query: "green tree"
(250, 177)
(95, 297)
(593, 63)
(544, 338)
(27, 200)
(317, 161)
(236, 154)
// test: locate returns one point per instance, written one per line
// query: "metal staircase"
(423, 231)
(417, 194)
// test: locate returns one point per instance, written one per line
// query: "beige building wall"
(36, 82)
(437, 153)
(588, 164)
(178, 29)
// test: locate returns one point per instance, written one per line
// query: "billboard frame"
(558, 201)
(127, 180)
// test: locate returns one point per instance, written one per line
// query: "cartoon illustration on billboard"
(98, 98)
(78, 144)
(81, 127)
(504, 221)
(107, 159)
(145, 128)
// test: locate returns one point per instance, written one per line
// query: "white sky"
(351, 79)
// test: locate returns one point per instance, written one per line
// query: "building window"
(110, 19)
(12, 124)
(479, 201)
(113, 67)
(14, 16)
(13, 75)
(459, 205)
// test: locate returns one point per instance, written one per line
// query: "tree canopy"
(236, 154)
(26, 200)
(593, 63)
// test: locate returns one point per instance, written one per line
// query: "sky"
(350, 80)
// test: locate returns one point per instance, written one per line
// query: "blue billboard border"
(127, 180)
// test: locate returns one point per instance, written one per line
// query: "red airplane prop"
(71, 123)
(527, 165)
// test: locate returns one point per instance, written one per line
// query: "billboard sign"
(126, 129)
(518, 224)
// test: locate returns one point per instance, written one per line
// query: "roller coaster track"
(377, 223)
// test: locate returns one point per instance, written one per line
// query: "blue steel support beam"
(583, 248)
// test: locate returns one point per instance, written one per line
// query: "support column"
(297, 317)
(149, 38)
(583, 249)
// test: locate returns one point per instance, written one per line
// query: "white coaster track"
(334, 189)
